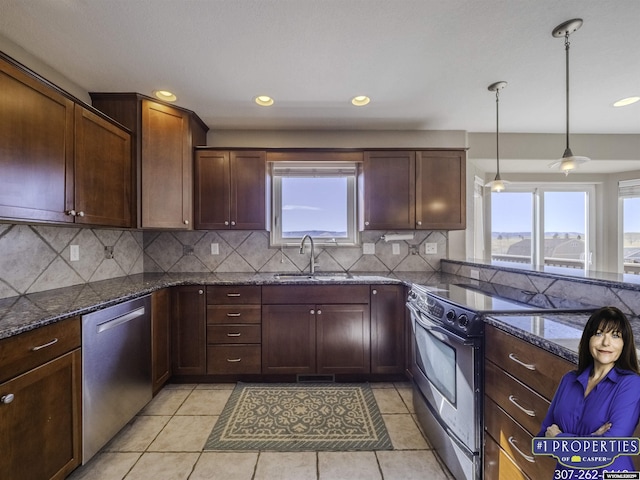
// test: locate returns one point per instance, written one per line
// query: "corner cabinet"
(165, 137)
(414, 190)
(40, 402)
(60, 162)
(230, 190)
(188, 330)
(160, 338)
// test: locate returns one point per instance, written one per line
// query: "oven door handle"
(436, 329)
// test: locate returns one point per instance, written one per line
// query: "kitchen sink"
(319, 276)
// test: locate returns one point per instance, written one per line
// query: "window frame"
(537, 228)
(626, 189)
(314, 169)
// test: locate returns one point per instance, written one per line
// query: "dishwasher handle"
(114, 322)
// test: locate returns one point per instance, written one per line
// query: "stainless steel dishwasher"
(116, 370)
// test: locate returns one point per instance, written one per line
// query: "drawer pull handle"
(528, 458)
(233, 334)
(8, 398)
(48, 344)
(531, 413)
(233, 314)
(233, 294)
(528, 366)
(234, 360)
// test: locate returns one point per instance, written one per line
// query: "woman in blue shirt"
(601, 397)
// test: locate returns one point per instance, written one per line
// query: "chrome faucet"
(312, 261)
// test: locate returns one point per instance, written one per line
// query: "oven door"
(445, 368)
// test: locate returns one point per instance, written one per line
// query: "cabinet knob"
(233, 223)
(186, 222)
(80, 213)
(419, 222)
(366, 223)
(226, 222)
(8, 398)
(71, 213)
(319, 312)
(312, 312)
(200, 292)
(374, 292)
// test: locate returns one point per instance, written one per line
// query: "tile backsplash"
(34, 258)
(37, 258)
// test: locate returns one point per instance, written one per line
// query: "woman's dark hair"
(609, 319)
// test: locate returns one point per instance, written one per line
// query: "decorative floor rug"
(296, 417)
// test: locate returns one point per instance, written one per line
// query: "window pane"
(314, 205)
(564, 229)
(511, 224)
(631, 234)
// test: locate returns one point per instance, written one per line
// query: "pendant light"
(497, 184)
(569, 161)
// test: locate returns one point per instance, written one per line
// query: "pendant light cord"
(566, 46)
(497, 134)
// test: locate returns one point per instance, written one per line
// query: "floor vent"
(315, 378)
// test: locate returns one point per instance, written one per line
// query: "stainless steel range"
(447, 355)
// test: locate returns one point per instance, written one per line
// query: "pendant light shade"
(569, 161)
(497, 184)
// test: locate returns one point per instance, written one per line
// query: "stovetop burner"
(460, 309)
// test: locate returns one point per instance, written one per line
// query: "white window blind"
(629, 188)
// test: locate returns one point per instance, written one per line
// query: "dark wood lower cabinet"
(288, 339)
(188, 331)
(40, 430)
(388, 329)
(160, 338)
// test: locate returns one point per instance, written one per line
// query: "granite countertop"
(558, 333)
(27, 312)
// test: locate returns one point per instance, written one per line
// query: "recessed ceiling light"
(165, 95)
(360, 100)
(264, 100)
(626, 101)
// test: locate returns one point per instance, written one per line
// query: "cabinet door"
(188, 331)
(343, 338)
(248, 177)
(387, 328)
(40, 429)
(288, 339)
(160, 338)
(36, 149)
(212, 190)
(389, 190)
(103, 171)
(440, 190)
(166, 167)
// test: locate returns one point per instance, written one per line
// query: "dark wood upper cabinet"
(36, 148)
(103, 172)
(59, 166)
(230, 189)
(414, 190)
(389, 190)
(164, 140)
(441, 190)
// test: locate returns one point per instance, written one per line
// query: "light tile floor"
(165, 441)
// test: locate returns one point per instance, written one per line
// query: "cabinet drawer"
(230, 359)
(233, 314)
(230, 294)
(31, 349)
(498, 465)
(516, 442)
(233, 334)
(534, 366)
(523, 404)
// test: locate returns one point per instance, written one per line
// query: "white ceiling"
(426, 64)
